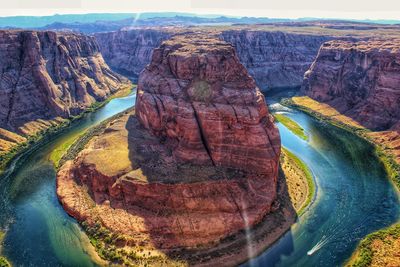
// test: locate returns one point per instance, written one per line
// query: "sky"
(346, 9)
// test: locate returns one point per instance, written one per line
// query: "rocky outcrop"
(360, 79)
(275, 59)
(197, 161)
(129, 51)
(200, 96)
(48, 75)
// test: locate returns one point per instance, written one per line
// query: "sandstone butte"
(361, 81)
(46, 77)
(196, 162)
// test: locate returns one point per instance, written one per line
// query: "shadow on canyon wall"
(177, 225)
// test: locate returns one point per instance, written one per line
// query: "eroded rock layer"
(275, 59)
(197, 162)
(359, 79)
(196, 94)
(45, 75)
(129, 51)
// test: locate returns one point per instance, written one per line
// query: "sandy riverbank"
(232, 250)
(382, 247)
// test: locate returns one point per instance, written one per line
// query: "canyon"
(197, 158)
(276, 54)
(360, 80)
(46, 78)
(182, 178)
(274, 59)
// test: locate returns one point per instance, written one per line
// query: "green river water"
(353, 198)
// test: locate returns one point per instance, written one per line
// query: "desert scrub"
(116, 248)
(4, 262)
(329, 115)
(364, 254)
(294, 166)
(47, 133)
(201, 91)
(291, 125)
(80, 142)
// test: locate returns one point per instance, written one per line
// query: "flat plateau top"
(125, 149)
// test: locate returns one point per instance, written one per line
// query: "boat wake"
(318, 246)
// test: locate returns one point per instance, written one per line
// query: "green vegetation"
(3, 261)
(308, 176)
(46, 134)
(202, 91)
(291, 125)
(381, 152)
(105, 242)
(59, 152)
(322, 112)
(121, 250)
(32, 142)
(365, 252)
(77, 143)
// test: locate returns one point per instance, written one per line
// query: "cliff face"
(199, 95)
(197, 162)
(274, 59)
(128, 52)
(359, 79)
(46, 75)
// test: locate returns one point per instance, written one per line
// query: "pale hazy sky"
(353, 9)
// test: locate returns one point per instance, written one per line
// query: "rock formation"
(359, 79)
(46, 76)
(129, 51)
(206, 102)
(197, 161)
(275, 59)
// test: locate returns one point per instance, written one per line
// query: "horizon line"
(196, 13)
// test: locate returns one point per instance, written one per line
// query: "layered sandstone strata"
(275, 59)
(197, 95)
(129, 51)
(196, 162)
(360, 79)
(47, 76)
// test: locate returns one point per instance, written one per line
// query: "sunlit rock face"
(44, 75)
(360, 79)
(195, 163)
(197, 95)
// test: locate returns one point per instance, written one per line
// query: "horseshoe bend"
(191, 168)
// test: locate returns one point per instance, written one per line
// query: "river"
(39, 232)
(354, 198)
